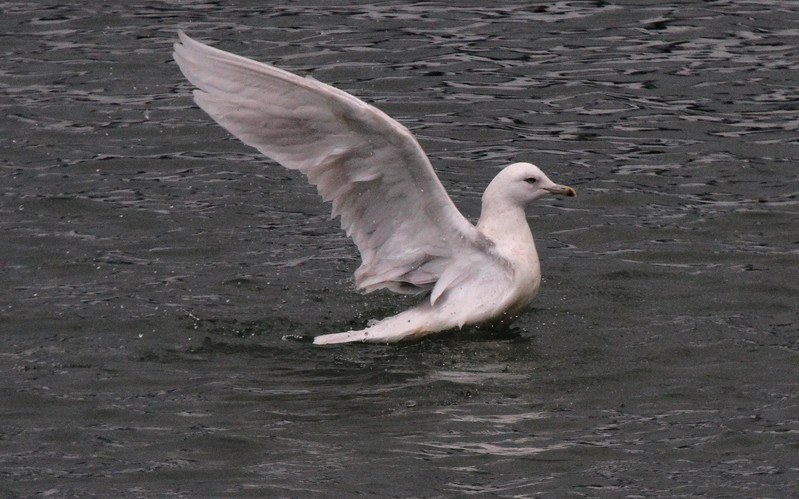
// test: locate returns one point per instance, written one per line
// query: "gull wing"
(380, 182)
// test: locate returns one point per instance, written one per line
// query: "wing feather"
(379, 180)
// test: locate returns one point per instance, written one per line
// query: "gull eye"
(531, 180)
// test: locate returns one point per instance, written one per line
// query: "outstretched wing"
(380, 182)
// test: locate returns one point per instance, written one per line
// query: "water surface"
(151, 264)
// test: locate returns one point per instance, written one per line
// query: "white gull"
(411, 237)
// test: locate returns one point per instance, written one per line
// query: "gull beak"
(563, 190)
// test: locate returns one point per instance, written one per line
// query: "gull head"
(522, 183)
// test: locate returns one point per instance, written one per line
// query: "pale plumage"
(411, 237)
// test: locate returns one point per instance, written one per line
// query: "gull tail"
(412, 323)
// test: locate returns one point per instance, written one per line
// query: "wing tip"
(336, 338)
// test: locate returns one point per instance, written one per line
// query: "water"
(151, 264)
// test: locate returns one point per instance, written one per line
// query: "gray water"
(151, 264)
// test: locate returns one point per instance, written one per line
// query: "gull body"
(411, 237)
